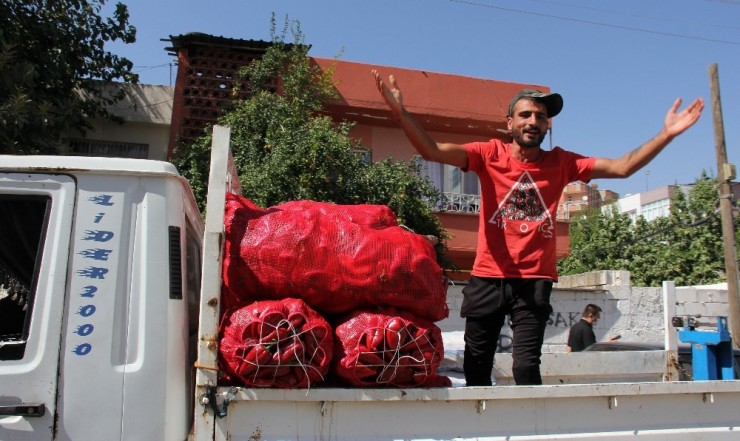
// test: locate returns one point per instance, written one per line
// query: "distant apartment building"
(579, 196)
(144, 134)
(650, 204)
(656, 203)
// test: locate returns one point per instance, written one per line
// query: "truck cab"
(99, 290)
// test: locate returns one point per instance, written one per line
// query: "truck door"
(36, 213)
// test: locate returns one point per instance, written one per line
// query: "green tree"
(661, 246)
(286, 148)
(54, 68)
(685, 247)
(648, 252)
(597, 242)
(707, 249)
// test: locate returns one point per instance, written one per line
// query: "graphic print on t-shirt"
(523, 208)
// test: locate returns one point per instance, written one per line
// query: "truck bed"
(610, 404)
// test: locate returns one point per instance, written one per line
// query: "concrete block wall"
(706, 302)
(635, 313)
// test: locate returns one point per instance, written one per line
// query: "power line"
(649, 17)
(675, 225)
(672, 226)
(155, 104)
(138, 107)
(143, 68)
(596, 23)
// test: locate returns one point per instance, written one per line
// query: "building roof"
(142, 103)
(146, 103)
(441, 102)
(199, 38)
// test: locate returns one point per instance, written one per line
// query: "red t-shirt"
(516, 233)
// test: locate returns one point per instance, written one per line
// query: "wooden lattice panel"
(208, 72)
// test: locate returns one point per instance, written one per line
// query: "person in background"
(581, 334)
(521, 184)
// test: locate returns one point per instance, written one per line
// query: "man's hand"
(446, 153)
(391, 95)
(674, 125)
(677, 123)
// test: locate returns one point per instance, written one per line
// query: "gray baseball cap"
(552, 101)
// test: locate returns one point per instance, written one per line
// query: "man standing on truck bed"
(521, 185)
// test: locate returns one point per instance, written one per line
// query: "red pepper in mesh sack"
(237, 213)
(387, 348)
(373, 216)
(283, 344)
(338, 258)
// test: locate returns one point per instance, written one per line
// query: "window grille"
(111, 149)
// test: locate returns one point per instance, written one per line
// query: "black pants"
(486, 303)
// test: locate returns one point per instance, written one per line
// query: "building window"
(461, 190)
(632, 214)
(366, 155)
(654, 210)
(111, 149)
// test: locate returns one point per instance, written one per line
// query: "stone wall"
(634, 313)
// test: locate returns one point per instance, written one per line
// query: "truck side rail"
(222, 179)
(704, 410)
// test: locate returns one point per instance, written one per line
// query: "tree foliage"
(54, 67)
(286, 148)
(685, 247)
(596, 242)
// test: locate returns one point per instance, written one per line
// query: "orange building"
(451, 108)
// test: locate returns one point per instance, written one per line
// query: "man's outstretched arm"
(675, 124)
(447, 153)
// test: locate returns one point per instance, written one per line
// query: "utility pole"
(726, 174)
(647, 173)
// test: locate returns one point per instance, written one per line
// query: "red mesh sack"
(371, 216)
(388, 348)
(337, 258)
(283, 344)
(237, 213)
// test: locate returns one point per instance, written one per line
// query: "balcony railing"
(459, 203)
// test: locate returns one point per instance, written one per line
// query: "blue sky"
(619, 64)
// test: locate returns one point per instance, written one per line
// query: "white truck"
(109, 315)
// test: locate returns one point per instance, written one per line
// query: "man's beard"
(518, 136)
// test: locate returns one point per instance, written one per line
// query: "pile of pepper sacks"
(324, 293)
